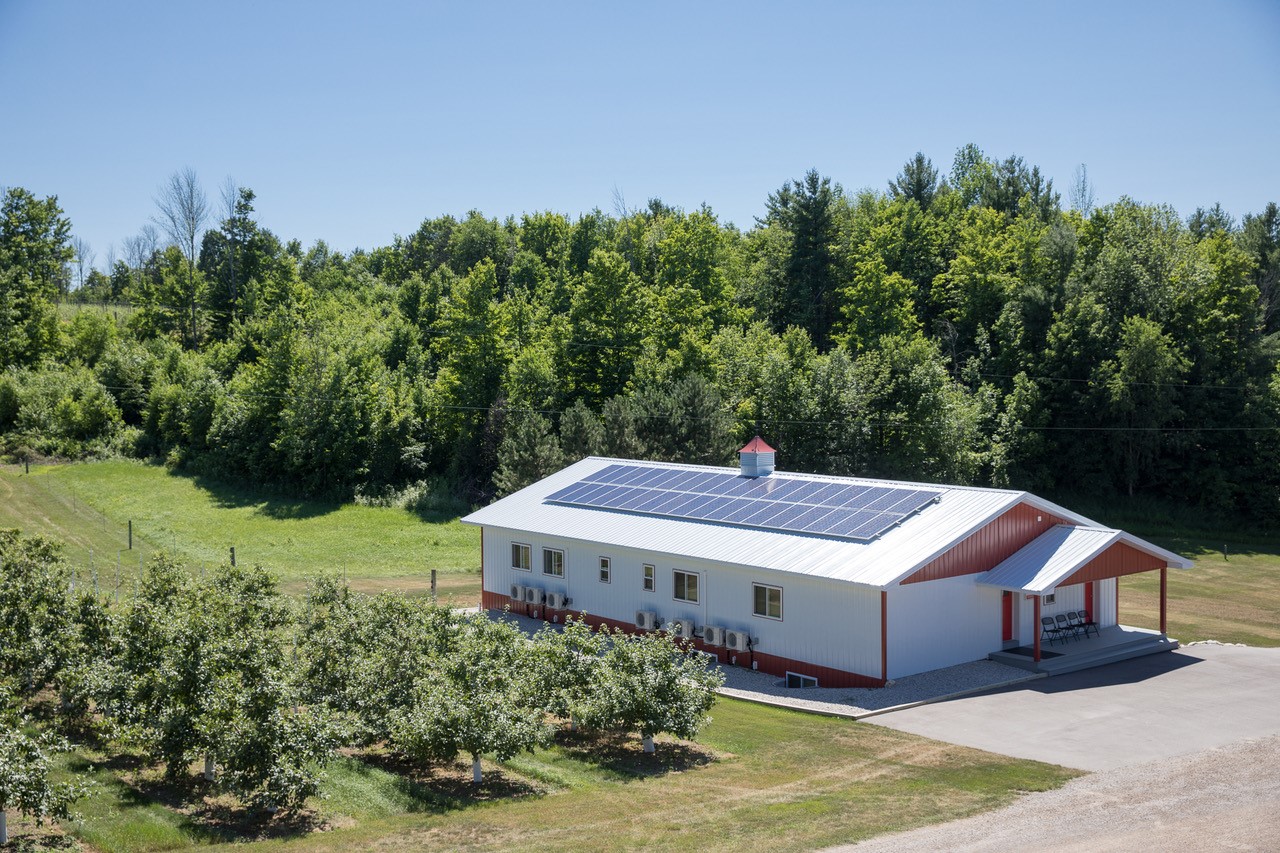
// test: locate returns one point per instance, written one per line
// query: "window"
(604, 569)
(686, 584)
(553, 562)
(649, 572)
(768, 601)
(521, 557)
(795, 679)
(1050, 598)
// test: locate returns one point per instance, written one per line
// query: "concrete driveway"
(1117, 715)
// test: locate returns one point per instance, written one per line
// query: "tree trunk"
(209, 771)
(475, 770)
(4, 829)
(648, 743)
(573, 724)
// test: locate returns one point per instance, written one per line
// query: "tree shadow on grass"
(201, 812)
(41, 842)
(447, 787)
(272, 503)
(623, 755)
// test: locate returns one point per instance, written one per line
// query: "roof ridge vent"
(756, 459)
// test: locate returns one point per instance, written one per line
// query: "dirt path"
(1220, 799)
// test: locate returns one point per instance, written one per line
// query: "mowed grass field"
(1232, 597)
(755, 775)
(89, 506)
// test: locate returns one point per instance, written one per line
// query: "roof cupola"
(756, 459)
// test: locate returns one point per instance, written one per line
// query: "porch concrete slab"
(1148, 708)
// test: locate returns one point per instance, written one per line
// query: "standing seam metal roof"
(880, 563)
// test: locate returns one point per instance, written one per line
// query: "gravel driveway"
(1226, 798)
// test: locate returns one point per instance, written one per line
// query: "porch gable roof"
(1061, 551)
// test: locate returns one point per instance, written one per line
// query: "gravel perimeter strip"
(859, 702)
(1220, 799)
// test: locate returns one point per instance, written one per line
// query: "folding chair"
(1086, 621)
(1049, 629)
(1065, 626)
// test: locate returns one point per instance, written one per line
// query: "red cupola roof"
(756, 445)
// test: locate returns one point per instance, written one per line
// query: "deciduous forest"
(964, 325)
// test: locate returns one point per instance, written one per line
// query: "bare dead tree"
(1081, 195)
(83, 259)
(183, 209)
(230, 195)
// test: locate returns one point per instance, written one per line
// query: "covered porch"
(1081, 561)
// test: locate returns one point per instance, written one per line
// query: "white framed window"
(606, 569)
(795, 679)
(686, 586)
(650, 577)
(1050, 598)
(767, 601)
(521, 557)
(553, 562)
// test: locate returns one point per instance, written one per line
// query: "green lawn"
(756, 773)
(1234, 598)
(89, 506)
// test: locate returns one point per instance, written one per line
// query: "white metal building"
(846, 581)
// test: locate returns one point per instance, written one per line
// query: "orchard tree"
(651, 683)
(37, 634)
(475, 700)
(25, 786)
(203, 673)
(565, 662)
(360, 657)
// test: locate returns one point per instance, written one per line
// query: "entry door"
(1006, 609)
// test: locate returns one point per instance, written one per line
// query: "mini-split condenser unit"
(533, 595)
(556, 600)
(713, 635)
(517, 592)
(736, 640)
(646, 620)
(683, 628)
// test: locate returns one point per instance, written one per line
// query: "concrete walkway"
(1154, 707)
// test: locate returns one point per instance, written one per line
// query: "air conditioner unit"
(736, 640)
(556, 600)
(517, 592)
(646, 620)
(713, 635)
(683, 628)
(533, 595)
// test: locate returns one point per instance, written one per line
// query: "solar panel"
(856, 511)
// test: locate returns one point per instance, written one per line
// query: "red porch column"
(1164, 582)
(1035, 630)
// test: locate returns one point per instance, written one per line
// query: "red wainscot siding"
(986, 548)
(766, 663)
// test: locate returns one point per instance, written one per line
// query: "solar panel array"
(843, 510)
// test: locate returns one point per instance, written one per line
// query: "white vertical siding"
(1065, 598)
(1104, 603)
(825, 622)
(942, 623)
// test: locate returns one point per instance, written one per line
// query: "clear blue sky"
(355, 121)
